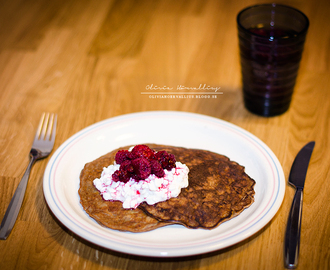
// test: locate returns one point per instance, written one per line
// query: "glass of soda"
(271, 42)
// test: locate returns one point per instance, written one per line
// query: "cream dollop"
(150, 190)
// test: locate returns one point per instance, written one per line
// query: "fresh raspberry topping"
(156, 168)
(166, 160)
(121, 156)
(142, 168)
(115, 176)
(124, 176)
(127, 165)
(142, 151)
(141, 162)
(121, 176)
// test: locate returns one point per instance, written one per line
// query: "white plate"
(61, 180)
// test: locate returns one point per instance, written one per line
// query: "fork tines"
(47, 127)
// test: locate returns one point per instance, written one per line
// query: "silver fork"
(42, 146)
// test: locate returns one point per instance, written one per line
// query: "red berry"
(121, 176)
(142, 168)
(142, 151)
(166, 160)
(115, 176)
(121, 156)
(127, 166)
(156, 168)
(171, 162)
(125, 176)
(141, 162)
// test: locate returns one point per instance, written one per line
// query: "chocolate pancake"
(111, 213)
(218, 190)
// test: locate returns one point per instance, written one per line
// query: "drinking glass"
(271, 42)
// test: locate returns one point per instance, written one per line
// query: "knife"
(297, 179)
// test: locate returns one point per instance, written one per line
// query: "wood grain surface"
(91, 60)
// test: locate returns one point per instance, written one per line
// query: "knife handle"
(292, 235)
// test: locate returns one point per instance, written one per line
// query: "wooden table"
(90, 60)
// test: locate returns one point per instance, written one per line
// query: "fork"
(42, 146)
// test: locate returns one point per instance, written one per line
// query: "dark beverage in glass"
(271, 42)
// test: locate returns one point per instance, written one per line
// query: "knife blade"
(297, 179)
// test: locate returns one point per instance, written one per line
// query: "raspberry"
(121, 176)
(121, 156)
(142, 151)
(141, 162)
(115, 176)
(171, 162)
(124, 176)
(166, 160)
(127, 166)
(156, 168)
(142, 168)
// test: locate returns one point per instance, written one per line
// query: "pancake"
(218, 190)
(111, 214)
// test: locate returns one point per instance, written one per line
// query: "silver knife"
(297, 179)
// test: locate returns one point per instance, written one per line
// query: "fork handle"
(15, 204)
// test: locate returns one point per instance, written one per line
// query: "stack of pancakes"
(219, 189)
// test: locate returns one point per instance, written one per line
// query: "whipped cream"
(150, 190)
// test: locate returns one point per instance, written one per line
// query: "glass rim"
(303, 31)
